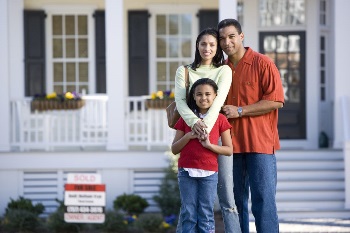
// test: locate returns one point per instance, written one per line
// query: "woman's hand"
(200, 130)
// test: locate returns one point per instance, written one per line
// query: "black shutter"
(208, 18)
(138, 53)
(34, 52)
(100, 45)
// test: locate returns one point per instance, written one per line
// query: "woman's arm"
(180, 141)
(180, 97)
(225, 149)
(224, 81)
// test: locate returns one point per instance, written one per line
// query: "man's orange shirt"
(255, 78)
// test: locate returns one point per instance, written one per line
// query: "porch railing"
(87, 126)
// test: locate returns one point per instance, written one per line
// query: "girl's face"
(204, 96)
(207, 48)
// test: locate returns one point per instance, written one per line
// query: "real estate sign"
(84, 199)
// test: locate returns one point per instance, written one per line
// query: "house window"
(323, 12)
(173, 46)
(240, 8)
(69, 53)
(323, 68)
(282, 12)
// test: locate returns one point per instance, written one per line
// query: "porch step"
(310, 184)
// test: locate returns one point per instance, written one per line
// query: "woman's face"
(207, 48)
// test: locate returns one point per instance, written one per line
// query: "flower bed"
(160, 100)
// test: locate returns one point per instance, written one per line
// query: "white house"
(117, 52)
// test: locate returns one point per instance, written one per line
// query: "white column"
(4, 77)
(16, 46)
(116, 78)
(341, 84)
(227, 9)
(341, 66)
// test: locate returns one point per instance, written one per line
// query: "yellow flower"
(134, 216)
(165, 225)
(69, 95)
(52, 95)
(172, 95)
(125, 222)
(153, 96)
(160, 94)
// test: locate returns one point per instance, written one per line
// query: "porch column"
(341, 84)
(227, 9)
(115, 74)
(4, 77)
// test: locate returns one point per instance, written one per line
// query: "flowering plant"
(58, 97)
(162, 95)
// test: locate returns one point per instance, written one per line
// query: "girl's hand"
(200, 130)
(205, 143)
(191, 135)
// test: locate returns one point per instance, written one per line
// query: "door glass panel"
(173, 25)
(70, 25)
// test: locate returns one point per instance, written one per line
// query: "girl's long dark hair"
(190, 99)
(218, 59)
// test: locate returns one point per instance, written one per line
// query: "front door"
(287, 50)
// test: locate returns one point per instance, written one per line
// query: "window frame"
(168, 9)
(87, 10)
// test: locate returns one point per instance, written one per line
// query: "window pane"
(57, 25)
(71, 88)
(57, 48)
(186, 24)
(294, 60)
(269, 43)
(82, 25)
(173, 47)
(186, 48)
(70, 48)
(173, 25)
(272, 56)
(282, 43)
(161, 71)
(58, 72)
(83, 48)
(70, 72)
(83, 72)
(161, 24)
(70, 25)
(58, 89)
(293, 43)
(83, 88)
(323, 79)
(294, 78)
(282, 60)
(173, 68)
(161, 47)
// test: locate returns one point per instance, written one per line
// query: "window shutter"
(208, 18)
(34, 52)
(138, 53)
(100, 45)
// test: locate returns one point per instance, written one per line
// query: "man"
(252, 106)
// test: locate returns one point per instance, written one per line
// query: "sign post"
(84, 198)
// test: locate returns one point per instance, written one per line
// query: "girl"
(197, 173)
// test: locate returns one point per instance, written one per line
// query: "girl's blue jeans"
(197, 202)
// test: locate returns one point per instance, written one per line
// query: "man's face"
(230, 40)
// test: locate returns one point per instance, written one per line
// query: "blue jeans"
(197, 202)
(259, 173)
(225, 195)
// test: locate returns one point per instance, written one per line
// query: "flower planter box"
(44, 105)
(158, 103)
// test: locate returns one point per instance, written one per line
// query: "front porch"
(87, 128)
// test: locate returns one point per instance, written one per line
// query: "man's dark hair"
(230, 22)
(218, 59)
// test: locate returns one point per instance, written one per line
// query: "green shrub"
(22, 216)
(56, 223)
(130, 203)
(114, 223)
(150, 223)
(168, 198)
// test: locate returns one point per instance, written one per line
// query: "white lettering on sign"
(84, 218)
(83, 178)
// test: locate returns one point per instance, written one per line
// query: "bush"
(168, 199)
(56, 223)
(150, 223)
(22, 216)
(114, 223)
(130, 203)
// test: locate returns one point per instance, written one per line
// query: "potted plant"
(160, 99)
(54, 101)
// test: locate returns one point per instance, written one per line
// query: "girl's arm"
(180, 141)
(225, 149)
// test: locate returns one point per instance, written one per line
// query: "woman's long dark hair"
(218, 59)
(190, 99)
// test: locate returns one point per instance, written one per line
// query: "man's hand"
(230, 111)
